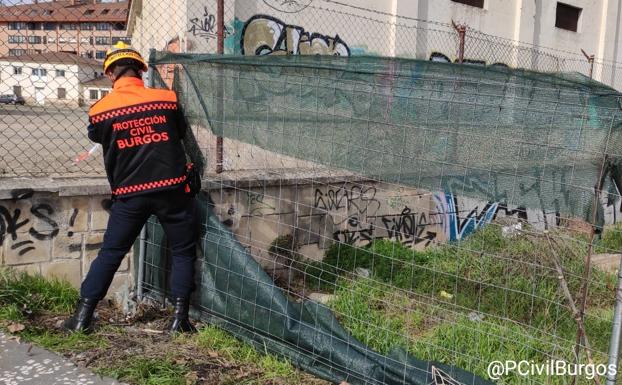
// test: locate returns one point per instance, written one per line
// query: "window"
(49, 26)
(17, 52)
(62, 94)
(104, 93)
(89, 12)
(17, 70)
(17, 90)
(102, 26)
(119, 26)
(105, 11)
(567, 17)
(126, 40)
(17, 25)
(69, 26)
(102, 40)
(34, 26)
(60, 73)
(34, 39)
(39, 72)
(93, 94)
(17, 39)
(472, 3)
(100, 55)
(86, 26)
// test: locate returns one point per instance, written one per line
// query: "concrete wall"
(55, 235)
(57, 231)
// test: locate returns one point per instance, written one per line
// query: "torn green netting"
(235, 293)
(527, 139)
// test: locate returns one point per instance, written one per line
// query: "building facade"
(48, 78)
(82, 27)
(408, 28)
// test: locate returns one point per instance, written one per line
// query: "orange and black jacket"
(140, 130)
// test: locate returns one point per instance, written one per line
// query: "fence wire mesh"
(415, 219)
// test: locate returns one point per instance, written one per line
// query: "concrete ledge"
(74, 186)
(87, 186)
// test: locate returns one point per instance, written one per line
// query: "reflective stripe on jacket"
(140, 130)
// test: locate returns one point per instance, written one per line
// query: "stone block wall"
(55, 235)
(58, 231)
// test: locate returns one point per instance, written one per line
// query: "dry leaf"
(192, 378)
(16, 327)
(213, 354)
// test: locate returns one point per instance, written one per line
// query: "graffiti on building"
(204, 26)
(288, 6)
(267, 35)
(407, 227)
(25, 220)
(12, 220)
(362, 199)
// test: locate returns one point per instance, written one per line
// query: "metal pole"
(220, 16)
(590, 60)
(142, 246)
(461, 29)
(616, 330)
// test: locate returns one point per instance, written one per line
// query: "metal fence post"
(616, 329)
(590, 60)
(142, 245)
(461, 29)
(221, 50)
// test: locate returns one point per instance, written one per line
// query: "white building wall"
(381, 32)
(49, 84)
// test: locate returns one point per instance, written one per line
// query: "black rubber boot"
(82, 318)
(181, 322)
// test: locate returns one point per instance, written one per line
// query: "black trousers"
(176, 213)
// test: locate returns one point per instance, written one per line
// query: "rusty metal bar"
(461, 29)
(220, 19)
(590, 60)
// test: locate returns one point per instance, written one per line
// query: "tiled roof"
(102, 81)
(52, 57)
(66, 11)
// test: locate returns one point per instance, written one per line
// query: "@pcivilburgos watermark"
(498, 369)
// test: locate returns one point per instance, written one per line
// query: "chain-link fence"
(427, 206)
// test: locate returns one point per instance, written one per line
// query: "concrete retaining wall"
(57, 228)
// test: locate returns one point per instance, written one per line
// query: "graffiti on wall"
(204, 26)
(288, 6)
(25, 220)
(267, 35)
(13, 220)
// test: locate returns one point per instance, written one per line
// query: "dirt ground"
(142, 336)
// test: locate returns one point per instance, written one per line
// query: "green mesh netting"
(236, 294)
(524, 138)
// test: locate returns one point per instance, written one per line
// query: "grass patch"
(215, 340)
(20, 292)
(146, 371)
(468, 303)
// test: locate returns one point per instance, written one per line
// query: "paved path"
(40, 367)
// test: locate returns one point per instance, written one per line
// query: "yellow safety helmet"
(121, 51)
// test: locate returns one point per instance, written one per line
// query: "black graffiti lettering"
(43, 211)
(22, 193)
(205, 26)
(267, 35)
(10, 223)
